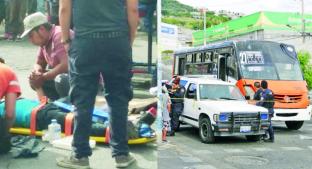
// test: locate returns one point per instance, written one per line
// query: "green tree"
(306, 66)
(179, 14)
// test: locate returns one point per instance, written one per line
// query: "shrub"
(306, 67)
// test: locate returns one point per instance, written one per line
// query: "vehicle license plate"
(245, 129)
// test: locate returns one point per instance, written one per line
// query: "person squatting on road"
(10, 91)
(166, 109)
(267, 101)
(49, 77)
(176, 94)
(104, 34)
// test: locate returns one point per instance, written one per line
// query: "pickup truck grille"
(245, 119)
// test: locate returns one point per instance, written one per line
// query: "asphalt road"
(291, 150)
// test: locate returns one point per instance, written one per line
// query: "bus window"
(198, 58)
(189, 58)
(215, 57)
(222, 68)
(181, 65)
(202, 57)
(208, 57)
(231, 67)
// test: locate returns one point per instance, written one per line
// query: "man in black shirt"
(104, 34)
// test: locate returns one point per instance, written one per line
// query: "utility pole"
(204, 10)
(303, 21)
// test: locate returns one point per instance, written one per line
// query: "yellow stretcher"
(68, 128)
(25, 131)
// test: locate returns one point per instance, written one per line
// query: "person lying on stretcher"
(58, 110)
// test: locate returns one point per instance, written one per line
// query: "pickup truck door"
(190, 111)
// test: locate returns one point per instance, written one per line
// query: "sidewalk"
(146, 156)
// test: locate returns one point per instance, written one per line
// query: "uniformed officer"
(176, 95)
(267, 101)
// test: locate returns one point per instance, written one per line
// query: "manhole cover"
(247, 160)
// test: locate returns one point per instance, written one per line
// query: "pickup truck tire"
(205, 130)
(253, 137)
(294, 125)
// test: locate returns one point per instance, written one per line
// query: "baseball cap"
(32, 21)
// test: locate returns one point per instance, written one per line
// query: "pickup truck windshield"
(268, 60)
(219, 92)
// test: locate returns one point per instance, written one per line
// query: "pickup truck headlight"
(264, 116)
(221, 117)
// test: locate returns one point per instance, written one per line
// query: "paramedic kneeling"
(9, 90)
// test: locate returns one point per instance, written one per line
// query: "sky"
(251, 6)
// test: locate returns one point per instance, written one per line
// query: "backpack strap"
(33, 115)
(107, 135)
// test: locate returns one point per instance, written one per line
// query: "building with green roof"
(274, 26)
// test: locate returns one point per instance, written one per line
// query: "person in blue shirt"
(267, 101)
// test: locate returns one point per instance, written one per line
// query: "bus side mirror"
(247, 97)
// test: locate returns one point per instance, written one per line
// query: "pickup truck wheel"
(294, 125)
(253, 137)
(205, 131)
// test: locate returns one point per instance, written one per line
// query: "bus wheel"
(205, 130)
(253, 137)
(294, 125)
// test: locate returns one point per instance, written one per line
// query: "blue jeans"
(56, 88)
(108, 54)
(270, 130)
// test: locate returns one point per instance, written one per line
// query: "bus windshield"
(268, 60)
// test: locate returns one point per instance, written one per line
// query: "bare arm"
(10, 102)
(65, 10)
(133, 18)
(40, 65)
(62, 67)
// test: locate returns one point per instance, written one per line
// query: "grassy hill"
(179, 14)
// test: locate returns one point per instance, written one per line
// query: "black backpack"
(5, 139)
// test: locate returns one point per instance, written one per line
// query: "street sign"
(168, 36)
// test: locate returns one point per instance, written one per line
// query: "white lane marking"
(201, 167)
(263, 149)
(234, 150)
(292, 148)
(303, 137)
(189, 159)
(202, 152)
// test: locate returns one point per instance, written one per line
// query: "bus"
(250, 61)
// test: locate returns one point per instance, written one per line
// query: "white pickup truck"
(217, 108)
